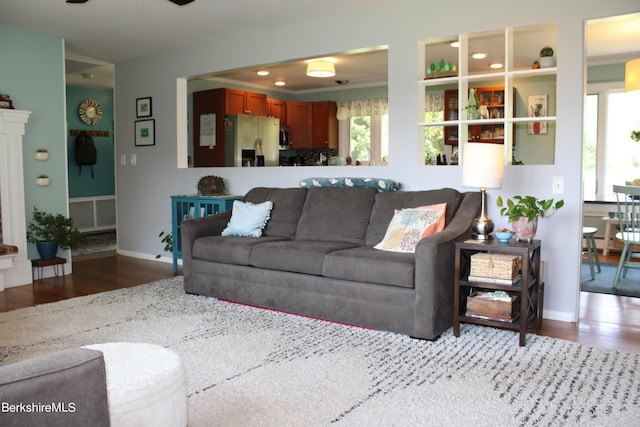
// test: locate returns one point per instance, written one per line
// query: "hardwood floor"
(605, 320)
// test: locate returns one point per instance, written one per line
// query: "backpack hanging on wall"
(86, 153)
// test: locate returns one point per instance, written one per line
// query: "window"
(369, 139)
(610, 156)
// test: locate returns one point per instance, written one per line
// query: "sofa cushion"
(248, 219)
(287, 207)
(366, 264)
(387, 203)
(227, 249)
(295, 256)
(380, 184)
(336, 214)
(410, 225)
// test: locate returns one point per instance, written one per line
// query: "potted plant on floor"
(523, 213)
(52, 231)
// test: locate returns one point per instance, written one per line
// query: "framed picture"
(537, 105)
(145, 132)
(143, 107)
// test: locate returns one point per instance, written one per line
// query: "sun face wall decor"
(90, 111)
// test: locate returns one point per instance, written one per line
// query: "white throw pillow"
(248, 219)
(409, 226)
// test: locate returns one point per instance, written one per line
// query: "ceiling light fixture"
(321, 68)
(479, 55)
(262, 73)
(454, 44)
(632, 75)
(279, 83)
(495, 65)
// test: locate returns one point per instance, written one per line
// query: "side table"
(529, 287)
(39, 264)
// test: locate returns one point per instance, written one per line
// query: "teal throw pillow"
(248, 219)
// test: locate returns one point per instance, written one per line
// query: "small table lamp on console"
(483, 167)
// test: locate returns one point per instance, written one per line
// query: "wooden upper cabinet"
(256, 104)
(325, 125)
(242, 102)
(277, 109)
(299, 119)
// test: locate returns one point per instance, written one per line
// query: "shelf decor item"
(473, 104)
(546, 57)
(523, 213)
(54, 230)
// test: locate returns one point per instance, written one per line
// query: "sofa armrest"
(192, 229)
(72, 382)
(435, 268)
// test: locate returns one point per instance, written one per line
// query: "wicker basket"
(495, 266)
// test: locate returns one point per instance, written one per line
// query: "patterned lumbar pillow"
(248, 219)
(410, 225)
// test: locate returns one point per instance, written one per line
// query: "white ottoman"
(145, 385)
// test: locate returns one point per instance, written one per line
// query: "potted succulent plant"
(52, 231)
(42, 154)
(546, 57)
(523, 213)
(42, 180)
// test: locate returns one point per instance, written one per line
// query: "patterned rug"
(248, 366)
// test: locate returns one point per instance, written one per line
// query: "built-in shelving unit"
(510, 47)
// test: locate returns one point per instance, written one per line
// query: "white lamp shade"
(632, 75)
(482, 165)
(321, 68)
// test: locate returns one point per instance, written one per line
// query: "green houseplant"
(546, 57)
(52, 231)
(523, 213)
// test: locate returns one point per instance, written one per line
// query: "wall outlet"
(558, 185)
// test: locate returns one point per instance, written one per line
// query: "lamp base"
(482, 227)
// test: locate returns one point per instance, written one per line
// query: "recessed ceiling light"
(262, 73)
(496, 65)
(280, 83)
(454, 44)
(479, 55)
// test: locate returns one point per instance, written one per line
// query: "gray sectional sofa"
(316, 258)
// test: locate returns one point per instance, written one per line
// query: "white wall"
(143, 191)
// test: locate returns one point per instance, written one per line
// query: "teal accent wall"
(605, 73)
(81, 184)
(33, 75)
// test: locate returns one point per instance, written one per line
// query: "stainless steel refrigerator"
(251, 141)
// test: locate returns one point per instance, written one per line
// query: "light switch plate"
(123, 159)
(134, 160)
(558, 185)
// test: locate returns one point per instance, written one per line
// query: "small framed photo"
(537, 108)
(145, 132)
(143, 107)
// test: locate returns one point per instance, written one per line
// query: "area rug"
(97, 243)
(252, 367)
(603, 281)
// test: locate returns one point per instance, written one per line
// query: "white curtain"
(362, 107)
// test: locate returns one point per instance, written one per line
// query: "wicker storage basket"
(495, 266)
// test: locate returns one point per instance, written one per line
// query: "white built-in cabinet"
(511, 117)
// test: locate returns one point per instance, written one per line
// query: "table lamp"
(483, 167)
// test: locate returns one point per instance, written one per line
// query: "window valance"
(362, 107)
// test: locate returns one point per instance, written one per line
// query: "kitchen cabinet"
(325, 125)
(451, 114)
(243, 102)
(300, 119)
(277, 109)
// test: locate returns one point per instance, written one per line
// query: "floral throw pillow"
(410, 225)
